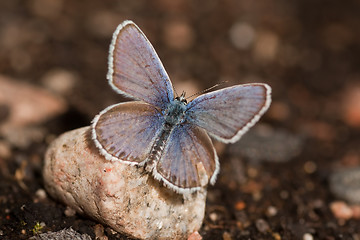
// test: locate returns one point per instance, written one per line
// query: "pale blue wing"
(135, 70)
(127, 131)
(186, 148)
(228, 113)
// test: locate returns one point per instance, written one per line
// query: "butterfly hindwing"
(135, 70)
(228, 113)
(187, 147)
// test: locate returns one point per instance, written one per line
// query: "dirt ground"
(307, 51)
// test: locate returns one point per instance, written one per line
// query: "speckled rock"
(65, 234)
(25, 104)
(22, 108)
(116, 194)
(263, 143)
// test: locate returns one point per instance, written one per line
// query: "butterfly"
(161, 131)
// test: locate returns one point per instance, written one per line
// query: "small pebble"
(279, 111)
(60, 81)
(213, 216)
(226, 236)
(195, 236)
(242, 219)
(341, 210)
(276, 236)
(266, 46)
(310, 167)
(271, 211)
(5, 150)
(262, 226)
(308, 236)
(252, 187)
(242, 35)
(351, 106)
(40, 194)
(240, 205)
(351, 159)
(318, 203)
(252, 172)
(99, 232)
(69, 212)
(101, 23)
(179, 34)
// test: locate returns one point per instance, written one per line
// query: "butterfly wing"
(135, 69)
(228, 113)
(187, 147)
(126, 131)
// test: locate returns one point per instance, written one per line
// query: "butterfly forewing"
(187, 147)
(127, 131)
(228, 113)
(135, 70)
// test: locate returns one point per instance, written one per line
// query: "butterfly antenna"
(206, 90)
(177, 95)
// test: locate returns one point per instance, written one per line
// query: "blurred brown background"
(307, 51)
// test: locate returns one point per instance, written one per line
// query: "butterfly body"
(162, 132)
(174, 114)
(158, 148)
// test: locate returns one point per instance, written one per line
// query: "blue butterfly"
(162, 132)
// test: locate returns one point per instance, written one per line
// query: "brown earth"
(308, 51)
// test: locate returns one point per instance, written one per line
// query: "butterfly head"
(182, 98)
(175, 111)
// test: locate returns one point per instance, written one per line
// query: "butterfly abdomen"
(158, 147)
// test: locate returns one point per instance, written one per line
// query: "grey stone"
(345, 184)
(65, 234)
(263, 143)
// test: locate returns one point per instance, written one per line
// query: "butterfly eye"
(181, 99)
